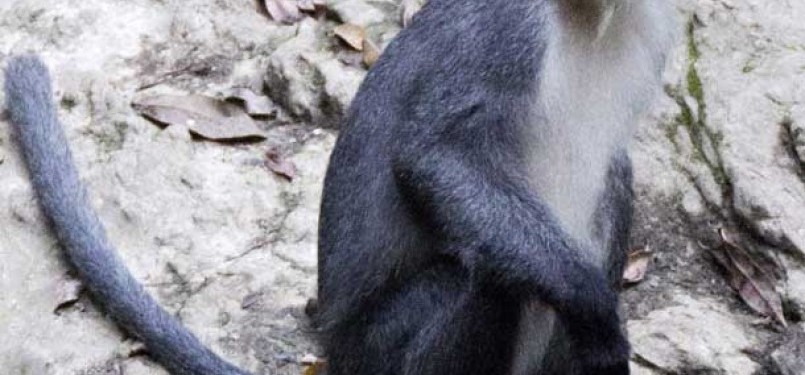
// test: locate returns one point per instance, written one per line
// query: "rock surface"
(789, 357)
(230, 248)
(691, 336)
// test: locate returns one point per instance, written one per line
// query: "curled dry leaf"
(371, 52)
(311, 5)
(133, 348)
(408, 8)
(352, 35)
(284, 11)
(753, 283)
(306, 5)
(279, 165)
(205, 117)
(637, 263)
(67, 293)
(255, 105)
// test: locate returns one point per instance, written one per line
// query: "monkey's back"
(423, 89)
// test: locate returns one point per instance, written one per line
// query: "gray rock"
(691, 336)
(789, 357)
(361, 12)
(794, 291)
(750, 83)
(309, 81)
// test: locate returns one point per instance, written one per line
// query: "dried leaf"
(132, 348)
(205, 117)
(306, 5)
(752, 282)
(313, 365)
(67, 293)
(352, 35)
(250, 300)
(284, 11)
(311, 307)
(256, 105)
(279, 165)
(408, 9)
(317, 8)
(637, 264)
(371, 52)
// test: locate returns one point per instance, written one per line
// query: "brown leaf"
(279, 165)
(67, 293)
(255, 105)
(752, 282)
(205, 117)
(637, 264)
(371, 52)
(352, 35)
(284, 11)
(313, 365)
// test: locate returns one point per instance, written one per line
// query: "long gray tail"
(65, 202)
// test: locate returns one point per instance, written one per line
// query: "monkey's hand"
(595, 331)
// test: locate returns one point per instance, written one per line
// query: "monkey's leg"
(473, 336)
(613, 217)
(375, 338)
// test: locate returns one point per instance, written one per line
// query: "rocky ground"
(230, 247)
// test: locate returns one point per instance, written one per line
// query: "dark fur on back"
(63, 199)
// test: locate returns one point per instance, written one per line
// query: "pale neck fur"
(595, 82)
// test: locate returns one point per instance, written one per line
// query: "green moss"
(694, 82)
(693, 48)
(694, 122)
(671, 132)
(695, 86)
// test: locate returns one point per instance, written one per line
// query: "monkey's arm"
(502, 232)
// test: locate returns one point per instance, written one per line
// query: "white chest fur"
(595, 82)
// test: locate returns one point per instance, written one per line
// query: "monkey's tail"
(64, 201)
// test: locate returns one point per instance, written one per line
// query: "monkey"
(476, 206)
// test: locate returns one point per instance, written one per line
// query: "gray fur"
(467, 189)
(64, 200)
